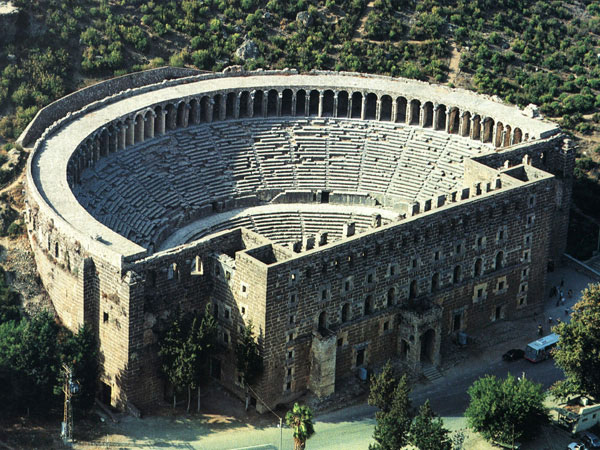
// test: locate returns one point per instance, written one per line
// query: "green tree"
(202, 337)
(391, 396)
(506, 410)
(174, 356)
(249, 360)
(428, 433)
(578, 349)
(299, 419)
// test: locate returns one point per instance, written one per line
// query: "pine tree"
(428, 433)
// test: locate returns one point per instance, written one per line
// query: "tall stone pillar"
(307, 104)
(121, 136)
(149, 126)
(322, 364)
(349, 112)
(211, 109)
(335, 104)
(394, 110)
(321, 96)
(279, 102)
(251, 104)
(236, 105)
(112, 141)
(378, 110)
(104, 148)
(186, 116)
(422, 116)
(130, 132)
(436, 114)
(363, 108)
(294, 102)
(265, 103)
(223, 108)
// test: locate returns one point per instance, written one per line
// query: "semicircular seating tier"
(147, 190)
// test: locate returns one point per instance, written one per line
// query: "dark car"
(513, 354)
(590, 440)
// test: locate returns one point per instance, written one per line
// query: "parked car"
(576, 446)
(513, 354)
(590, 440)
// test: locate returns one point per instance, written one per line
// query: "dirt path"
(363, 20)
(453, 64)
(14, 183)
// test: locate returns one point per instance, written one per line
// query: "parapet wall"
(77, 100)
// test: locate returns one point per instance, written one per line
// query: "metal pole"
(280, 433)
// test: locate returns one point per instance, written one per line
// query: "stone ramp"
(432, 373)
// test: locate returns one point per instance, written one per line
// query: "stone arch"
(138, 123)
(517, 136)
(413, 290)
(391, 296)
(286, 102)
(272, 99)
(149, 119)
(456, 274)
(386, 108)
(258, 104)
(453, 120)
(440, 118)
(400, 110)
(171, 117)
(488, 130)
(345, 313)
(465, 125)
(342, 106)
(216, 103)
(313, 103)
(499, 260)
(244, 104)
(323, 320)
(159, 121)
(435, 282)
(428, 346)
(230, 105)
(104, 141)
(476, 132)
(507, 136)
(328, 103)
(356, 105)
(194, 111)
(301, 102)
(415, 112)
(427, 115)
(205, 109)
(478, 267)
(499, 131)
(371, 109)
(182, 111)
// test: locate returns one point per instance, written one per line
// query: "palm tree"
(300, 420)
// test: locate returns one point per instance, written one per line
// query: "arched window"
(478, 269)
(345, 313)
(456, 274)
(499, 260)
(391, 296)
(412, 293)
(323, 320)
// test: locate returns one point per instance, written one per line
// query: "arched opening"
(157, 120)
(499, 131)
(258, 104)
(412, 292)
(507, 134)
(313, 103)
(286, 102)
(518, 136)
(386, 108)
(181, 113)
(272, 98)
(342, 106)
(371, 110)
(323, 321)
(488, 128)
(104, 143)
(435, 282)
(428, 115)
(301, 102)
(139, 129)
(345, 312)
(328, 103)
(404, 349)
(441, 118)
(368, 307)
(194, 112)
(456, 274)
(415, 112)
(230, 105)
(391, 297)
(476, 135)
(244, 100)
(428, 346)
(499, 260)
(112, 135)
(453, 121)
(148, 125)
(356, 105)
(216, 107)
(478, 269)
(204, 109)
(466, 124)
(170, 117)
(400, 110)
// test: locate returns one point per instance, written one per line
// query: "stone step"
(432, 373)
